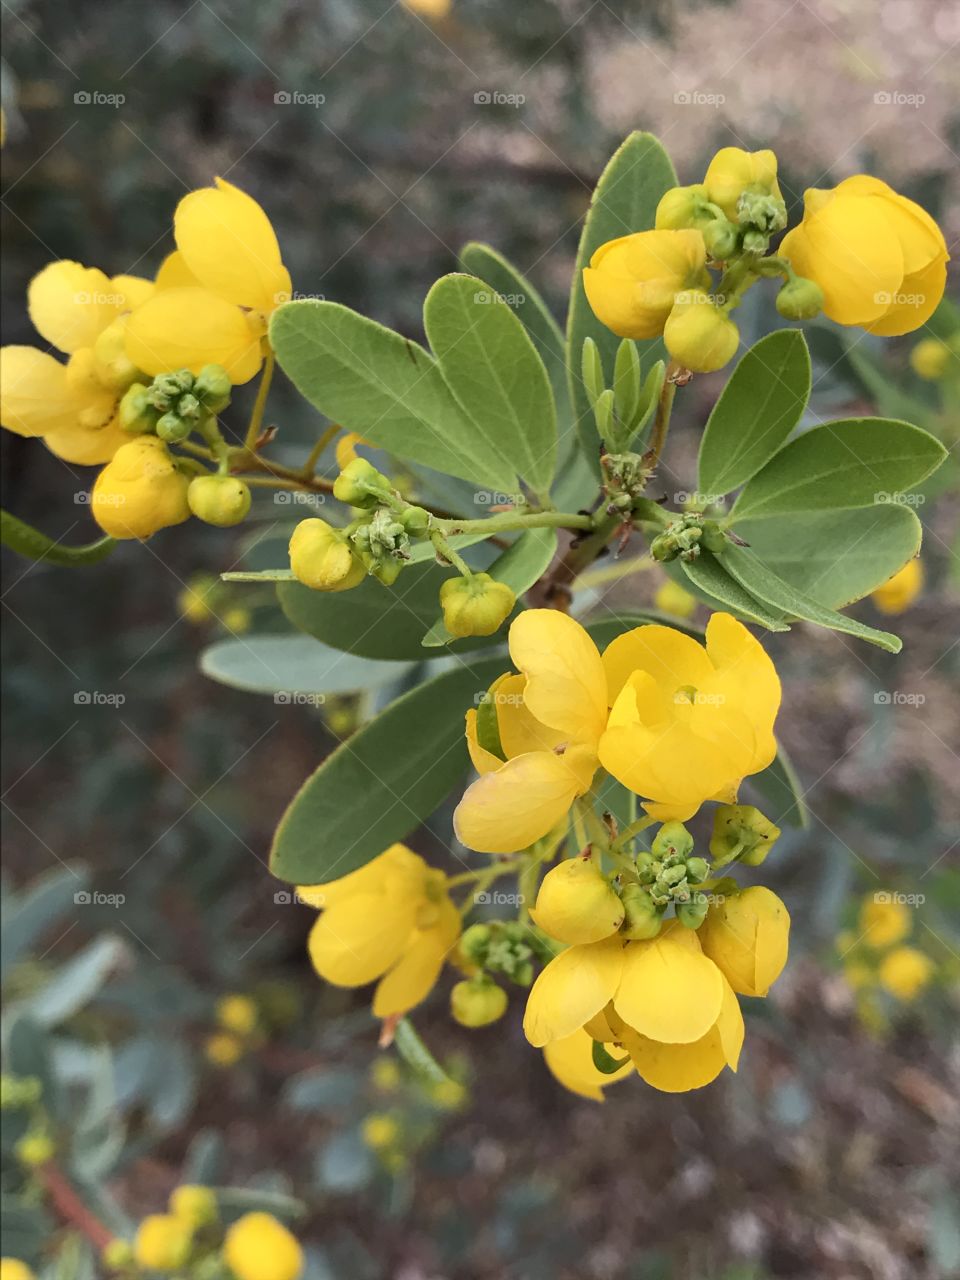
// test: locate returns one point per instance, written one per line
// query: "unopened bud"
(136, 412)
(322, 558)
(476, 1002)
(576, 904)
(763, 210)
(721, 238)
(741, 831)
(212, 388)
(416, 521)
(476, 605)
(712, 536)
(800, 299)
(697, 870)
(641, 916)
(698, 335)
(931, 358)
(360, 484)
(692, 913)
(682, 207)
(172, 429)
(673, 838)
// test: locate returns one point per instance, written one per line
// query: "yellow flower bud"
(34, 1149)
(114, 367)
(632, 282)
(237, 1013)
(14, 1269)
(931, 358)
(380, 1131)
(385, 1075)
(116, 1255)
(641, 917)
(354, 484)
(741, 831)
(477, 1002)
(140, 491)
(220, 500)
(746, 937)
(899, 592)
(904, 972)
(800, 299)
(475, 606)
(135, 412)
(671, 598)
(258, 1247)
(196, 1206)
(698, 335)
(682, 207)
(237, 620)
(879, 258)
(883, 920)
(223, 1049)
(322, 558)
(733, 171)
(162, 1242)
(576, 904)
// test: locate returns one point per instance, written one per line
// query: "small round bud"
(223, 1049)
(698, 335)
(258, 1247)
(673, 599)
(721, 238)
(188, 406)
(682, 207)
(386, 571)
(474, 943)
(380, 1131)
(194, 1205)
(219, 500)
(741, 831)
(476, 605)
(322, 558)
(576, 904)
(665, 547)
(692, 913)
(416, 521)
(360, 484)
(237, 1013)
(34, 1149)
(477, 1002)
(162, 1242)
(673, 838)
(172, 429)
(647, 866)
(930, 359)
(135, 412)
(642, 918)
(800, 299)
(755, 242)
(212, 388)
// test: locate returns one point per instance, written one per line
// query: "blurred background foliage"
(130, 775)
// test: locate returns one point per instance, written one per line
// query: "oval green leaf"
(294, 664)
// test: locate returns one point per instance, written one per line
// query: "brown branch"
(71, 1208)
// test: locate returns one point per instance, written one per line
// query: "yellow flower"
(237, 1013)
(14, 1269)
(671, 598)
(549, 720)
(899, 592)
(746, 936)
(73, 406)
(223, 1049)
(162, 1242)
(570, 1060)
(904, 972)
(322, 558)
(194, 1205)
(380, 1131)
(476, 605)
(698, 334)
(879, 258)
(883, 920)
(140, 491)
(258, 1247)
(391, 920)
(687, 722)
(931, 358)
(666, 1002)
(576, 904)
(733, 171)
(631, 283)
(194, 601)
(345, 450)
(216, 294)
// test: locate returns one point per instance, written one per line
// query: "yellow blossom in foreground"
(879, 258)
(746, 936)
(258, 1247)
(73, 406)
(883, 920)
(571, 1061)
(899, 592)
(632, 282)
(140, 491)
(391, 920)
(904, 972)
(216, 294)
(687, 723)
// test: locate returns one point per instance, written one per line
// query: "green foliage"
(34, 545)
(295, 663)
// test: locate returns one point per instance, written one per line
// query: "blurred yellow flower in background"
(904, 972)
(899, 592)
(884, 920)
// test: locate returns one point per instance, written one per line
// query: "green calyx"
(741, 833)
(684, 537)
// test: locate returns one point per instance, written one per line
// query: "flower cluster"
(862, 254)
(879, 962)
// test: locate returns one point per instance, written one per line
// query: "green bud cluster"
(684, 538)
(503, 947)
(761, 211)
(175, 404)
(383, 545)
(668, 873)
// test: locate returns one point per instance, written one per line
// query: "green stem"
(507, 521)
(260, 404)
(416, 1054)
(444, 549)
(313, 457)
(661, 423)
(634, 829)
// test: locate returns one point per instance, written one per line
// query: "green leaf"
(855, 462)
(416, 1054)
(374, 621)
(34, 545)
(294, 664)
(836, 557)
(605, 1063)
(496, 375)
(760, 405)
(723, 591)
(493, 269)
(30, 914)
(383, 782)
(779, 787)
(625, 200)
(762, 583)
(520, 566)
(373, 381)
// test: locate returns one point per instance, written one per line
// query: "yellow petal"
(228, 243)
(573, 987)
(669, 990)
(70, 305)
(566, 687)
(673, 659)
(396, 870)
(914, 302)
(188, 328)
(675, 1068)
(35, 397)
(86, 447)
(414, 975)
(570, 1060)
(175, 274)
(134, 289)
(520, 730)
(747, 938)
(359, 939)
(515, 805)
(483, 761)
